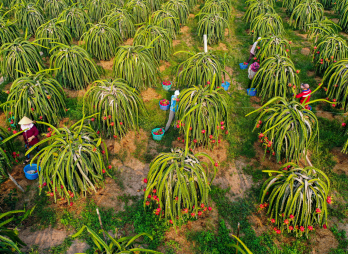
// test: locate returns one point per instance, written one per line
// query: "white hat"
(176, 93)
(25, 120)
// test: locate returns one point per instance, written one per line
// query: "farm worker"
(253, 50)
(253, 68)
(173, 108)
(30, 134)
(305, 95)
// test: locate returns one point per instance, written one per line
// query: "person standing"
(253, 68)
(253, 50)
(305, 95)
(30, 135)
(173, 108)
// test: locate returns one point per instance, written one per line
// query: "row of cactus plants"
(287, 128)
(214, 20)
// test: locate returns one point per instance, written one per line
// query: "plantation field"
(123, 162)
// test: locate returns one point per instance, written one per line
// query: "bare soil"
(128, 142)
(342, 163)
(164, 65)
(129, 42)
(77, 247)
(222, 47)
(232, 177)
(150, 94)
(324, 114)
(3, 120)
(107, 65)
(310, 73)
(18, 174)
(186, 35)
(323, 241)
(45, 239)
(76, 93)
(176, 42)
(8, 86)
(304, 36)
(107, 197)
(318, 79)
(305, 51)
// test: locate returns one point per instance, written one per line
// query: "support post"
(238, 236)
(101, 225)
(15, 182)
(205, 41)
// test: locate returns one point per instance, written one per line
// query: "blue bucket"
(225, 85)
(28, 168)
(243, 66)
(251, 91)
(164, 107)
(157, 137)
(167, 88)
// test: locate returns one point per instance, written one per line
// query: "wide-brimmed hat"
(306, 86)
(176, 93)
(25, 120)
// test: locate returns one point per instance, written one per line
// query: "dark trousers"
(26, 148)
(251, 56)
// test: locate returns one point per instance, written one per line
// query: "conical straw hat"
(25, 120)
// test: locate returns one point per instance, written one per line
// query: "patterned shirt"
(305, 96)
(173, 105)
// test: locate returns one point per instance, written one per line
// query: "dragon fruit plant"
(272, 46)
(72, 161)
(277, 76)
(286, 129)
(119, 107)
(178, 185)
(203, 115)
(296, 199)
(328, 50)
(335, 84)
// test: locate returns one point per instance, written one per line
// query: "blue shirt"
(173, 105)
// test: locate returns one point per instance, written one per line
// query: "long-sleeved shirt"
(173, 104)
(304, 96)
(33, 131)
(252, 50)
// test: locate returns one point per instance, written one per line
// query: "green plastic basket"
(157, 137)
(167, 88)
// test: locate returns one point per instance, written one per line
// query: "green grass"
(238, 212)
(256, 172)
(342, 241)
(240, 137)
(209, 242)
(75, 106)
(44, 215)
(133, 220)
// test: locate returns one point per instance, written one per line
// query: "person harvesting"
(174, 103)
(305, 95)
(253, 50)
(30, 135)
(253, 68)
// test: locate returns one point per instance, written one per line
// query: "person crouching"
(30, 135)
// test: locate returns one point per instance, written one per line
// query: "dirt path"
(45, 239)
